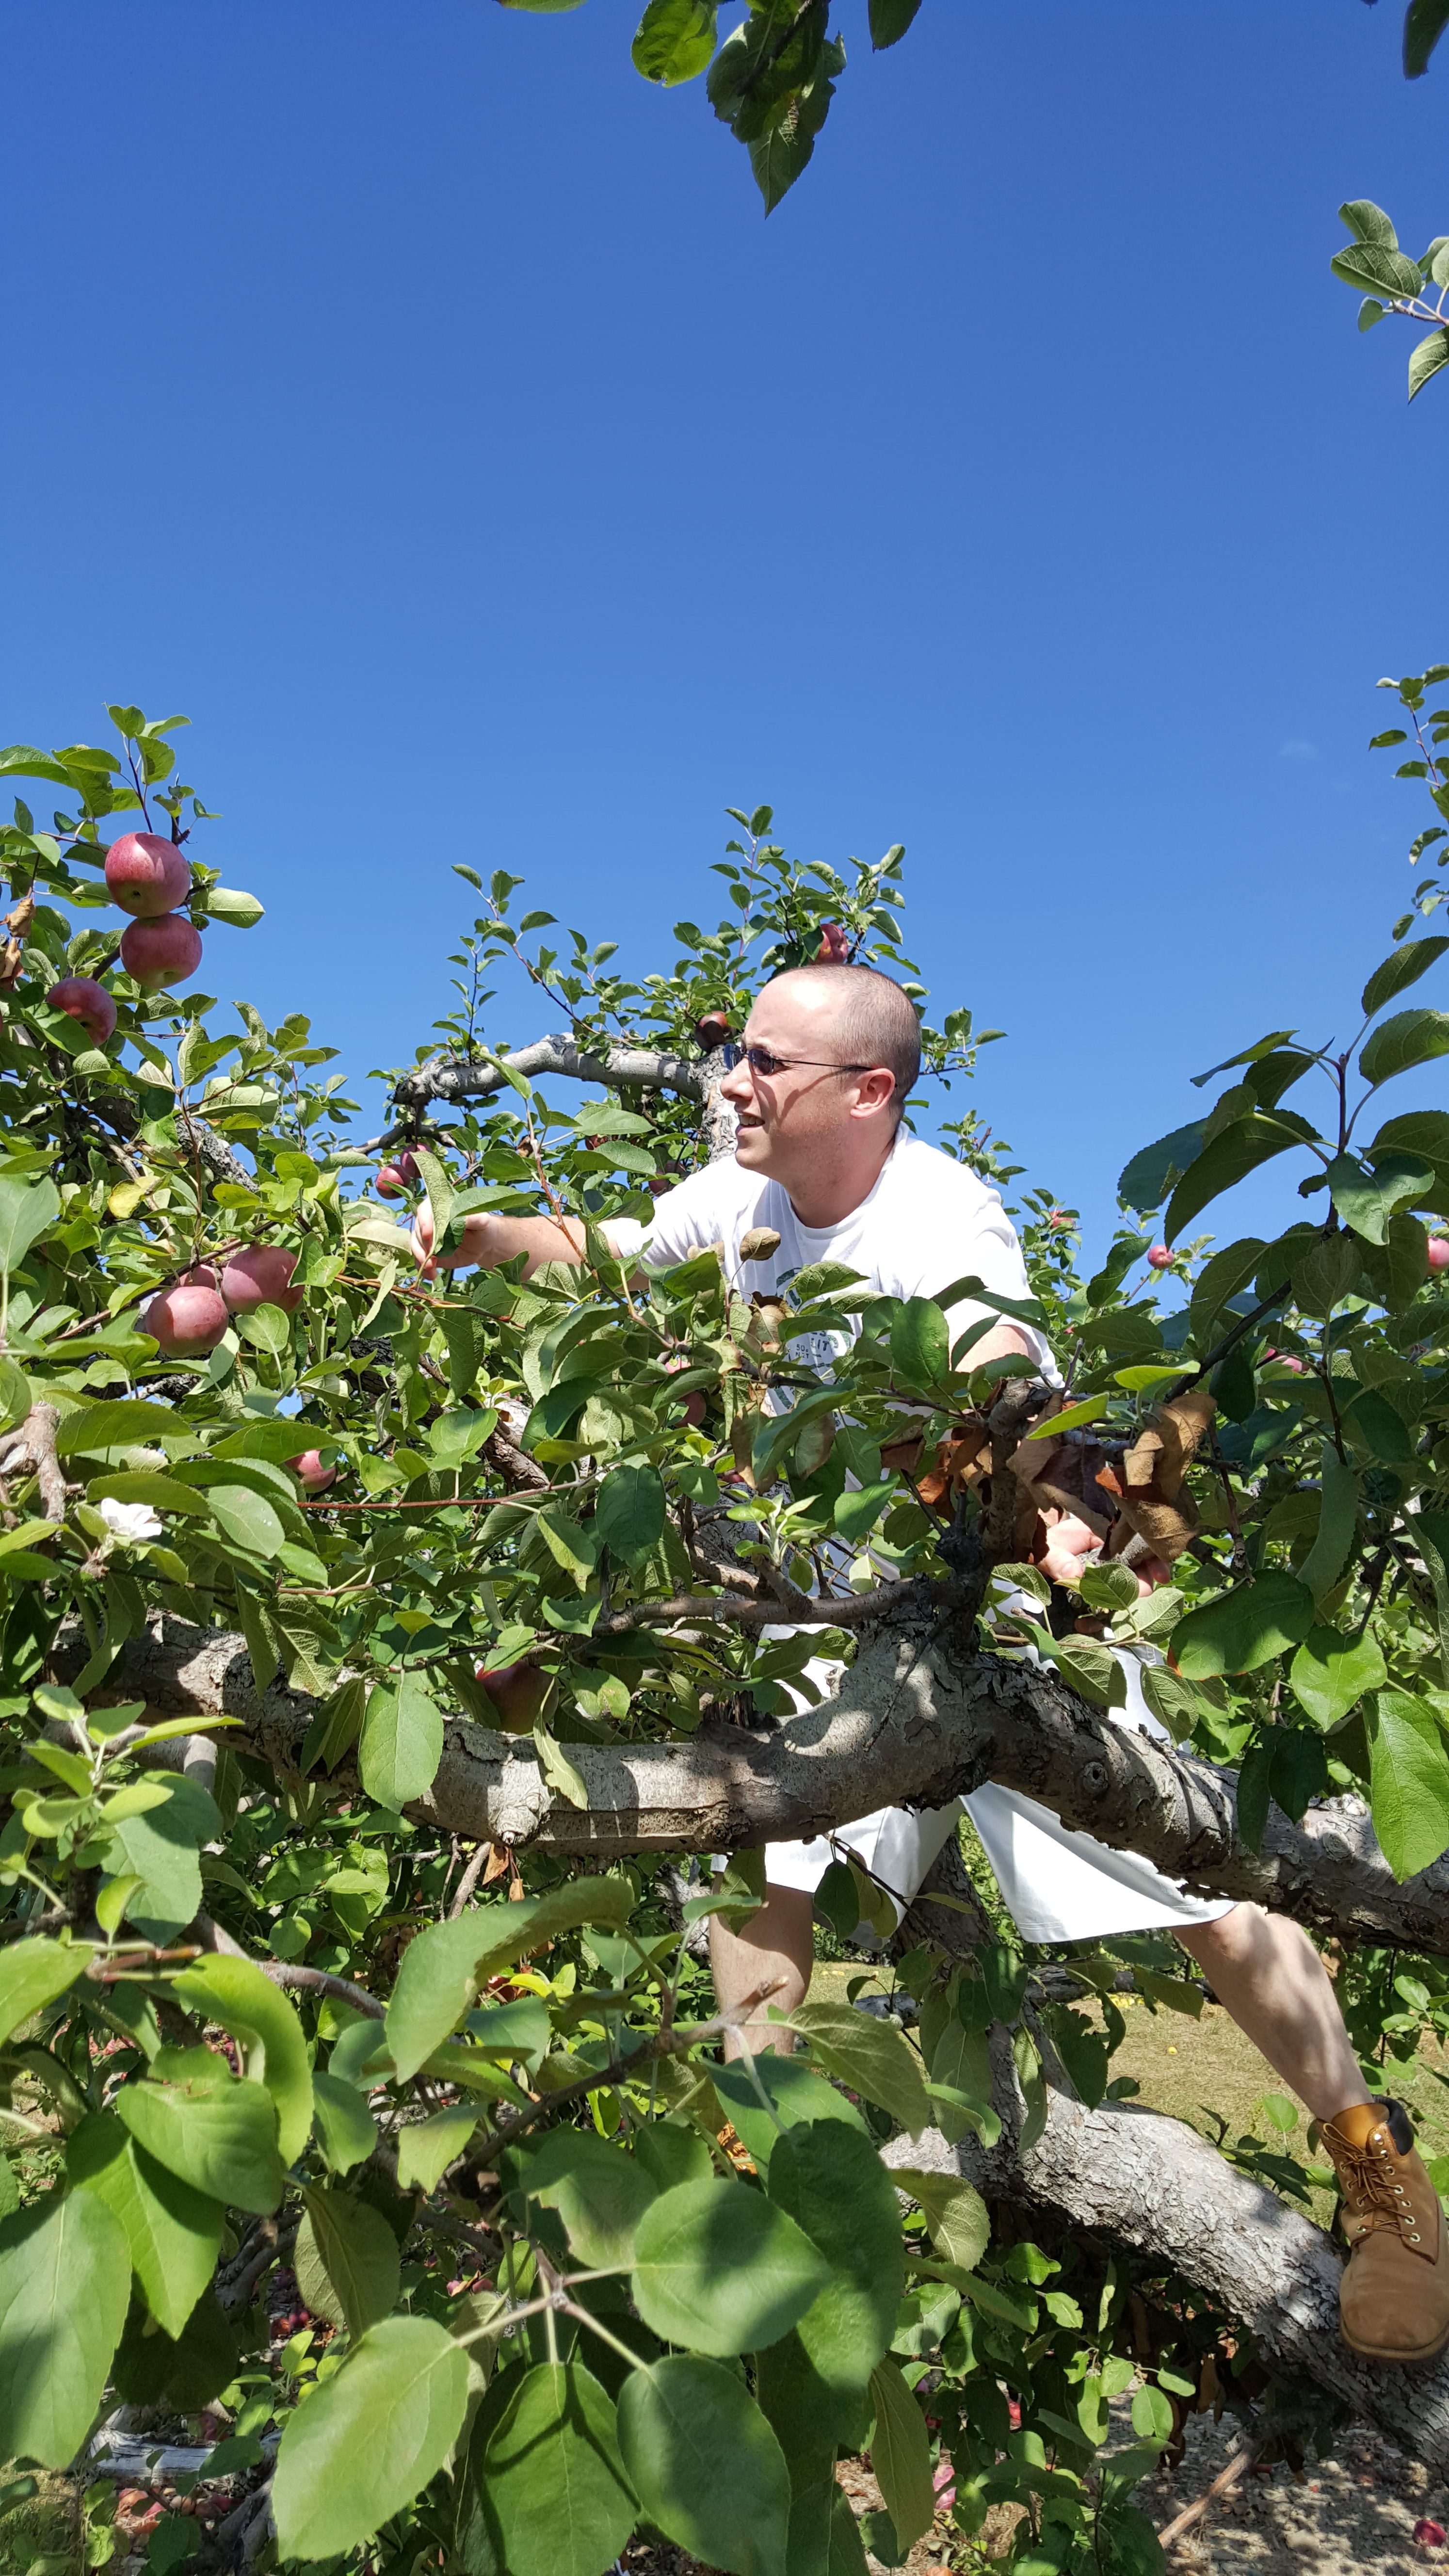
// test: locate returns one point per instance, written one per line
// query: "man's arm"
(489, 1241)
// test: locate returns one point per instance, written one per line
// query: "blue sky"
(420, 402)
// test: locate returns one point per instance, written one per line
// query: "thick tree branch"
(452, 1078)
(919, 1718)
(1154, 2184)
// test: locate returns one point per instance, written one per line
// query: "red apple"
(146, 875)
(1160, 1257)
(188, 1319)
(310, 1473)
(713, 1030)
(834, 948)
(260, 1275)
(83, 999)
(518, 1692)
(397, 1177)
(163, 951)
(1439, 1251)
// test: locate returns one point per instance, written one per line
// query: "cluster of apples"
(187, 1319)
(148, 877)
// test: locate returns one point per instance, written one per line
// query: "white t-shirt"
(927, 1223)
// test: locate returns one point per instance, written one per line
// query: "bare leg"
(776, 1942)
(1265, 1971)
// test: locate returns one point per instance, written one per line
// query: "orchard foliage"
(562, 2272)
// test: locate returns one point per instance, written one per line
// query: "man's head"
(845, 1045)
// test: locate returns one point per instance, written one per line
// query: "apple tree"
(381, 1654)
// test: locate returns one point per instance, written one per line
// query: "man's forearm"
(491, 1241)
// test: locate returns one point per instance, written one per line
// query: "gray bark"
(919, 1718)
(1154, 2184)
(452, 1078)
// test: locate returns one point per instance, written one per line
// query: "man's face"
(788, 1120)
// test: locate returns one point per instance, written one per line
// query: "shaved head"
(873, 1020)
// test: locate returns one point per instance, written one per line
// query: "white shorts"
(1056, 1885)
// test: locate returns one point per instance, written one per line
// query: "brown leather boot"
(1394, 2298)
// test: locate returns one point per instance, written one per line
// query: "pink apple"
(1160, 1257)
(187, 1319)
(83, 999)
(834, 948)
(163, 951)
(1439, 1251)
(260, 1275)
(310, 1473)
(397, 1177)
(146, 875)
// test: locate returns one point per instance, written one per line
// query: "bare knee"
(1230, 1938)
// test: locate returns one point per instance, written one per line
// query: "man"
(830, 1054)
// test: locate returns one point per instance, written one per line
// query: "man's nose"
(738, 1084)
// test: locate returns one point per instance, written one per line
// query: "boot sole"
(1421, 2352)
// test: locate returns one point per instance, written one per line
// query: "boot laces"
(1373, 2193)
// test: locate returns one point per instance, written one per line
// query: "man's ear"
(875, 1090)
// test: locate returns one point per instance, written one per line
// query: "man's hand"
(489, 1241)
(1070, 1543)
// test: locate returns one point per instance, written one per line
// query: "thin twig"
(469, 1879)
(1237, 2467)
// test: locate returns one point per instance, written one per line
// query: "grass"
(38, 2536)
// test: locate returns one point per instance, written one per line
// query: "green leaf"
(673, 42)
(1424, 24)
(237, 1994)
(1337, 1525)
(1380, 1426)
(1409, 1038)
(857, 1511)
(549, 2477)
(1090, 1409)
(346, 2261)
(1376, 270)
(1426, 358)
(158, 1844)
(889, 20)
(955, 2213)
(402, 1741)
(1368, 223)
(33, 1973)
(228, 903)
(1433, 1537)
(1400, 970)
(221, 2138)
(1091, 1670)
(425, 2148)
(900, 2454)
(65, 2279)
(1239, 1149)
(1300, 1768)
(346, 2129)
(599, 2191)
(150, 2369)
(1151, 1174)
(1330, 1673)
(27, 1209)
(362, 2444)
(93, 1428)
(705, 2465)
(443, 1967)
(795, 2090)
(870, 2057)
(830, 2180)
(1370, 312)
(629, 1518)
(920, 1344)
(1367, 1199)
(1218, 1280)
(1409, 1776)
(721, 2269)
(1242, 1630)
(173, 2233)
(1173, 1701)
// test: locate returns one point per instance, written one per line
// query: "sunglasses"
(763, 1060)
